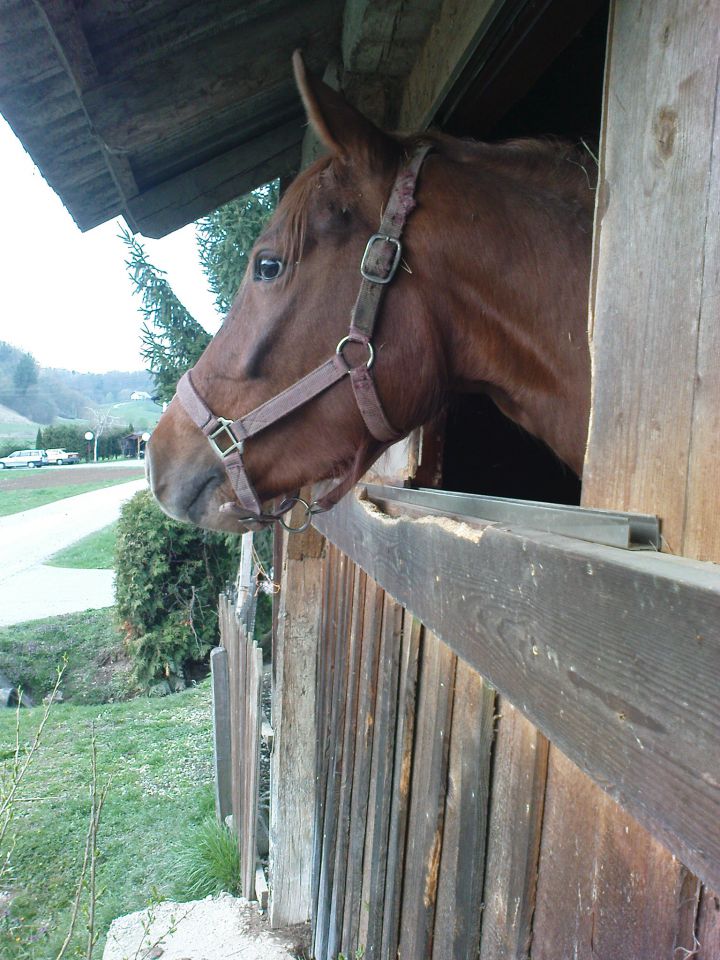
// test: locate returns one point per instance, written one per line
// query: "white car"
(24, 458)
(61, 456)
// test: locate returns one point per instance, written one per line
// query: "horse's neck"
(518, 303)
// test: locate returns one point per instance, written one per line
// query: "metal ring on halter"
(371, 353)
(308, 516)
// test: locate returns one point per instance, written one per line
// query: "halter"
(227, 437)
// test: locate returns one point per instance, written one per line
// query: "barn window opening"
(540, 72)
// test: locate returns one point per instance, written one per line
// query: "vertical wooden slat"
(375, 857)
(222, 731)
(516, 811)
(253, 729)
(342, 844)
(402, 776)
(427, 800)
(327, 665)
(295, 663)
(462, 864)
(365, 726)
(335, 759)
(606, 888)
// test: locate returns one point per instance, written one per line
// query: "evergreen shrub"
(167, 579)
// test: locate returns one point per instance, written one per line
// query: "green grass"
(158, 757)
(208, 862)
(94, 552)
(142, 414)
(97, 668)
(15, 501)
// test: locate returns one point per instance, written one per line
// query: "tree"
(172, 338)
(26, 373)
(226, 237)
(102, 420)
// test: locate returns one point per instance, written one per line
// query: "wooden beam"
(188, 196)
(613, 654)
(204, 78)
(295, 652)
(61, 20)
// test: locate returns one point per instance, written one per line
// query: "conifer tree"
(226, 237)
(172, 338)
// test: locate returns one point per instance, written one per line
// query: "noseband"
(227, 437)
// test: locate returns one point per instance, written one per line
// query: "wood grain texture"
(516, 813)
(364, 735)
(340, 632)
(606, 887)
(402, 777)
(375, 861)
(347, 773)
(295, 659)
(427, 798)
(654, 441)
(581, 638)
(654, 303)
(458, 913)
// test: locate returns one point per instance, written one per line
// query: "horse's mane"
(551, 164)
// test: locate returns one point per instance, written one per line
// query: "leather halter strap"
(379, 264)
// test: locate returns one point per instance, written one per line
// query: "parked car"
(60, 457)
(23, 458)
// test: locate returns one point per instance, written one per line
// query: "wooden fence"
(405, 823)
(237, 667)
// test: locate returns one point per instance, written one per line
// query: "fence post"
(221, 732)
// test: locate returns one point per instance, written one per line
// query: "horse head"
(295, 389)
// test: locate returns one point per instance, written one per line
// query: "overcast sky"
(65, 296)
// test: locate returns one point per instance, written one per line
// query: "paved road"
(29, 590)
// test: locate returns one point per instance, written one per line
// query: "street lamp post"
(89, 436)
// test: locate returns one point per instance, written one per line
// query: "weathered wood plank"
(649, 301)
(653, 442)
(581, 638)
(606, 888)
(188, 196)
(364, 731)
(375, 860)
(295, 660)
(402, 775)
(204, 78)
(347, 778)
(251, 768)
(462, 864)
(341, 628)
(427, 798)
(222, 754)
(516, 812)
(327, 652)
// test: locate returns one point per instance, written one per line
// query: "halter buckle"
(224, 430)
(397, 254)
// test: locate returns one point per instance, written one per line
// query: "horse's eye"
(268, 268)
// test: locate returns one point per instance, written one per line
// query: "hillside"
(43, 394)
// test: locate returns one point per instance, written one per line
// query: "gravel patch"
(216, 928)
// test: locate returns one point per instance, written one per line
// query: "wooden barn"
(495, 725)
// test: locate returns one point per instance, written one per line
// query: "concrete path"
(29, 590)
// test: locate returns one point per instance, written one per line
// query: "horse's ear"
(341, 128)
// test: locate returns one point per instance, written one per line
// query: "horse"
(483, 287)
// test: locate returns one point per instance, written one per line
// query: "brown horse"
(491, 296)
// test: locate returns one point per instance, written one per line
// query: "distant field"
(25, 489)
(142, 414)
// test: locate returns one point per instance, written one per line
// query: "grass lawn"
(94, 552)
(158, 756)
(14, 501)
(97, 669)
